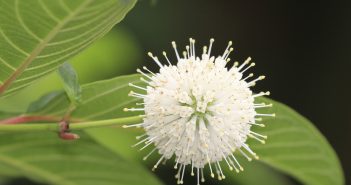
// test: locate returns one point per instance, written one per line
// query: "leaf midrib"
(39, 48)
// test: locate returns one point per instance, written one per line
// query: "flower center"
(199, 103)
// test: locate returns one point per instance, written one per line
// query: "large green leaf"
(117, 46)
(36, 36)
(294, 145)
(44, 158)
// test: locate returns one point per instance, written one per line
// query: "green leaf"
(100, 100)
(256, 173)
(4, 115)
(117, 46)
(71, 85)
(43, 101)
(45, 158)
(37, 36)
(294, 145)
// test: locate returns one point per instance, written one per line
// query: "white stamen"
(141, 136)
(158, 162)
(137, 95)
(244, 154)
(248, 76)
(146, 69)
(262, 94)
(210, 47)
(249, 150)
(259, 135)
(227, 49)
(258, 139)
(257, 79)
(142, 141)
(144, 74)
(134, 125)
(142, 79)
(175, 50)
(133, 109)
(220, 169)
(181, 180)
(188, 51)
(185, 55)
(192, 43)
(260, 125)
(248, 67)
(155, 59)
(268, 115)
(237, 163)
(247, 61)
(148, 155)
(209, 164)
(204, 50)
(192, 169)
(132, 85)
(202, 175)
(148, 143)
(229, 166)
(227, 55)
(263, 106)
(165, 55)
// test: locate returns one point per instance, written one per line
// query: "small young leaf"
(70, 81)
(43, 101)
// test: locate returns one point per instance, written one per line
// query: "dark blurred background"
(303, 47)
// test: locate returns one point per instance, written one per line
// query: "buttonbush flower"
(199, 111)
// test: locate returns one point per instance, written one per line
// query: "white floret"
(199, 111)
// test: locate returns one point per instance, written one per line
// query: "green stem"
(73, 126)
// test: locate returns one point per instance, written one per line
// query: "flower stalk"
(32, 127)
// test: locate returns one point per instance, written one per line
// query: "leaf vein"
(8, 40)
(48, 11)
(7, 64)
(25, 27)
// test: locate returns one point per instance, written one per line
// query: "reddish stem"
(25, 119)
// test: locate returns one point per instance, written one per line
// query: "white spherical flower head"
(199, 111)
